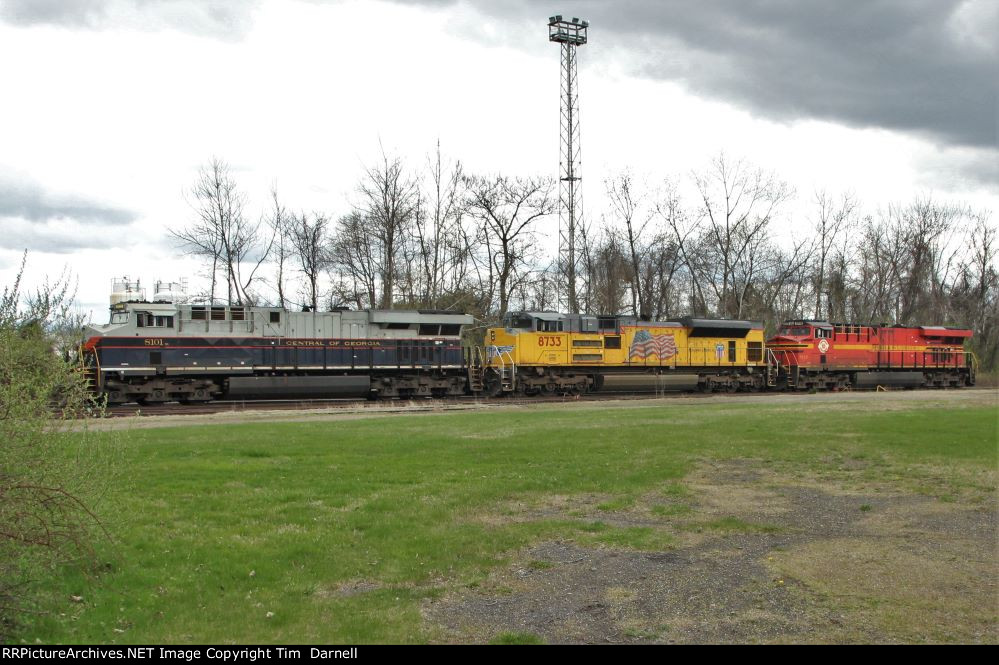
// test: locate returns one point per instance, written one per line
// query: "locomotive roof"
(727, 324)
(951, 331)
(416, 316)
(374, 315)
(810, 322)
(544, 316)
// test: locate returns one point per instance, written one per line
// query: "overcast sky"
(110, 106)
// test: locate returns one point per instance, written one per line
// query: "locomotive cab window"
(520, 321)
(796, 331)
(148, 320)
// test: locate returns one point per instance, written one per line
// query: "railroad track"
(385, 406)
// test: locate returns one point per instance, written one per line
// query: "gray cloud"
(226, 19)
(927, 67)
(960, 168)
(19, 235)
(41, 221)
(30, 201)
(56, 12)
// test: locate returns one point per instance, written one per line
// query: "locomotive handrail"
(771, 361)
(475, 358)
(774, 359)
(97, 375)
(973, 365)
(512, 369)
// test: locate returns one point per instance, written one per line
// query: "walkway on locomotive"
(144, 339)
(549, 339)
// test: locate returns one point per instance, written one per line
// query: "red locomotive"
(829, 356)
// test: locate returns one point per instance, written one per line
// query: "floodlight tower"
(570, 34)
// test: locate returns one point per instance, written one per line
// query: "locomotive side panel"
(819, 354)
(160, 352)
(547, 352)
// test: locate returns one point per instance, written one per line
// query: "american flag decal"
(645, 344)
(497, 351)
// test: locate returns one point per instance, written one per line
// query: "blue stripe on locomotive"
(261, 353)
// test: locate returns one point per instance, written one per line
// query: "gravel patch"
(836, 566)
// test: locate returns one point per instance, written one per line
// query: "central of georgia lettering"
(332, 342)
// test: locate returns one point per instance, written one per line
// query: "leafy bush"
(53, 467)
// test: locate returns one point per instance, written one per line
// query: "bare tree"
(660, 268)
(440, 242)
(310, 238)
(626, 205)
(283, 249)
(978, 288)
(874, 283)
(508, 209)
(608, 273)
(357, 260)
(221, 233)
(833, 218)
(738, 203)
(681, 230)
(388, 203)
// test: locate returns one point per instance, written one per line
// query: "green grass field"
(341, 531)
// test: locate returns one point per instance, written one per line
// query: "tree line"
(712, 244)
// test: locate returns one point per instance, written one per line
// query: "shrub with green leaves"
(51, 480)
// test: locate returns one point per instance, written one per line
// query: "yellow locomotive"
(547, 352)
